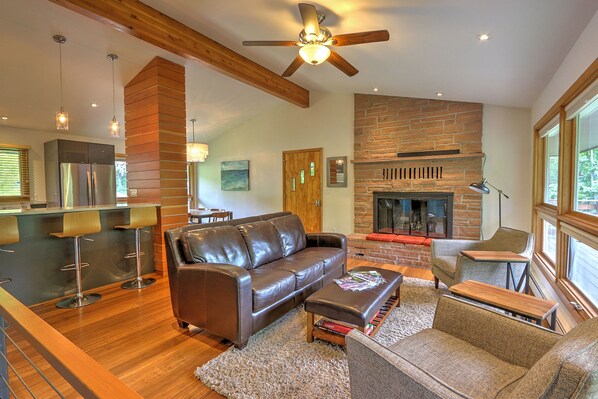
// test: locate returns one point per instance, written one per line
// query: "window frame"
(121, 158)
(567, 219)
(24, 174)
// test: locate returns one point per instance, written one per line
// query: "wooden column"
(155, 142)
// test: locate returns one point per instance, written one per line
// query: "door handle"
(318, 203)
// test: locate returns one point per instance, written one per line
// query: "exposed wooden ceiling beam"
(146, 23)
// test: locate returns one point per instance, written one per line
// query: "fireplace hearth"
(414, 213)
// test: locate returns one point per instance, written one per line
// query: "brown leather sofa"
(234, 278)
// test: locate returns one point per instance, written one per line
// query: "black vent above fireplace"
(414, 213)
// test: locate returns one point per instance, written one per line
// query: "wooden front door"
(302, 187)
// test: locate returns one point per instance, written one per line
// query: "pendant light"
(114, 126)
(62, 117)
(196, 152)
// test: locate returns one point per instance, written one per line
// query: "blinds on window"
(14, 173)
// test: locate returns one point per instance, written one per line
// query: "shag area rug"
(279, 363)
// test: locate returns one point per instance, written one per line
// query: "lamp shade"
(197, 152)
(314, 53)
(480, 187)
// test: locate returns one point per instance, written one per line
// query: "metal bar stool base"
(138, 284)
(74, 302)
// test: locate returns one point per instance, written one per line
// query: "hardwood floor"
(135, 336)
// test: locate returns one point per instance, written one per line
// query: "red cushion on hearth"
(428, 242)
(409, 240)
(380, 237)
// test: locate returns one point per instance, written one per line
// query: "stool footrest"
(5, 280)
(72, 266)
(133, 255)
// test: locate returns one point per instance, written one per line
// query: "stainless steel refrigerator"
(79, 174)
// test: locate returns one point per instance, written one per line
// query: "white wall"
(327, 123)
(581, 56)
(507, 143)
(36, 139)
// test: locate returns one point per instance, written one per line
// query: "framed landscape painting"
(234, 176)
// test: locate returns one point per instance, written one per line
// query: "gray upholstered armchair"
(450, 267)
(472, 352)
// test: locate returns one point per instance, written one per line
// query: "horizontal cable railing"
(26, 377)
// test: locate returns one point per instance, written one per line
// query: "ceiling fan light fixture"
(314, 54)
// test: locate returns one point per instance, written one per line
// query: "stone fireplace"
(413, 146)
(415, 214)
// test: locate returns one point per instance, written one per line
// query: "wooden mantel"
(422, 158)
(148, 24)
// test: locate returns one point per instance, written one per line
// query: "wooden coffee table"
(356, 308)
(517, 303)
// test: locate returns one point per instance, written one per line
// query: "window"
(583, 268)
(586, 184)
(14, 174)
(120, 165)
(551, 172)
(549, 241)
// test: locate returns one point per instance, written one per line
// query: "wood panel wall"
(155, 145)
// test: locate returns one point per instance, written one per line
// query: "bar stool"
(138, 219)
(75, 225)
(9, 234)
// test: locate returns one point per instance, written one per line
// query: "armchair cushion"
(291, 232)
(216, 245)
(269, 286)
(465, 368)
(262, 242)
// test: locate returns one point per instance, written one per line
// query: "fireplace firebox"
(414, 213)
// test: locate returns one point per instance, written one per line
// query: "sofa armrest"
(512, 340)
(216, 297)
(377, 372)
(335, 240)
(444, 247)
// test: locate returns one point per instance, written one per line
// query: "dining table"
(200, 214)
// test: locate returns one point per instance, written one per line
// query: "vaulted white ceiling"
(433, 47)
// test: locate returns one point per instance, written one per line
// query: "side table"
(507, 257)
(516, 303)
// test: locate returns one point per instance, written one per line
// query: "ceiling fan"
(314, 39)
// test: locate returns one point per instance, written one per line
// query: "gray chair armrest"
(216, 297)
(335, 240)
(443, 247)
(510, 339)
(376, 372)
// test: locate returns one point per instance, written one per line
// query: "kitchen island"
(34, 265)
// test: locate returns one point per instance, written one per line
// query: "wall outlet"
(132, 192)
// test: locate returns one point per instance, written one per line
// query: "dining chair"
(220, 216)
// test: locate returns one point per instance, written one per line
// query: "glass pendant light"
(62, 117)
(114, 126)
(196, 152)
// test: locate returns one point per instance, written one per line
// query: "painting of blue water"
(234, 176)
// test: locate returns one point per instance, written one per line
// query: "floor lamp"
(482, 187)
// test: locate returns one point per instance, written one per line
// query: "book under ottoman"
(356, 308)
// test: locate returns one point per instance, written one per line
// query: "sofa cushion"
(568, 369)
(291, 232)
(466, 369)
(262, 242)
(216, 245)
(269, 286)
(306, 270)
(332, 257)
(447, 264)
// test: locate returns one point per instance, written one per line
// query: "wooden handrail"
(86, 375)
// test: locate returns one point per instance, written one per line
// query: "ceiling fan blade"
(360, 38)
(342, 64)
(310, 19)
(297, 62)
(269, 43)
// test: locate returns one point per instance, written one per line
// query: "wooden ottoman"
(356, 308)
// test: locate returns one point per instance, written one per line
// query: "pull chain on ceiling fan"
(314, 40)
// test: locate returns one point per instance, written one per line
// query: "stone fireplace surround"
(385, 126)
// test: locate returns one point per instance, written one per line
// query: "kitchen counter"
(37, 211)
(34, 265)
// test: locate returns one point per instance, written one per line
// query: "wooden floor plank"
(135, 336)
